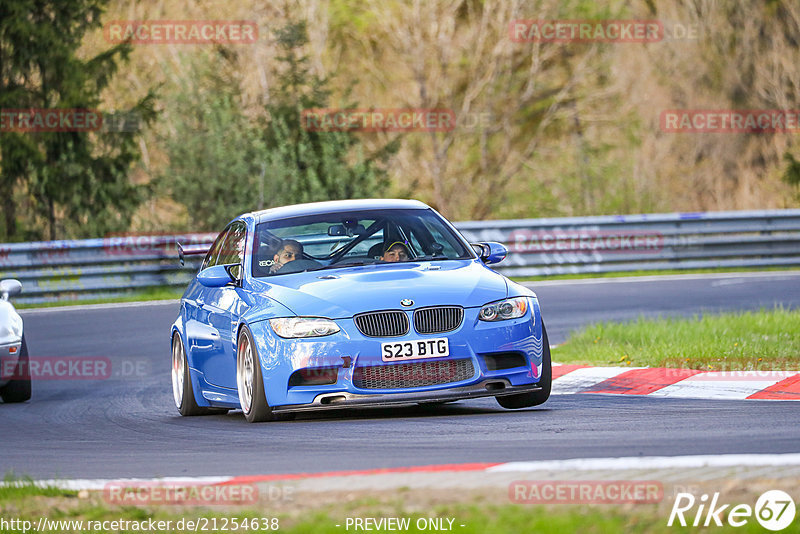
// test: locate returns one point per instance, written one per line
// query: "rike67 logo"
(774, 510)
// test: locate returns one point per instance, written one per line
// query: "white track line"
(651, 462)
(723, 385)
(661, 278)
(575, 464)
(90, 307)
(580, 379)
(97, 484)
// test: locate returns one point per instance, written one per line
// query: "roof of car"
(314, 208)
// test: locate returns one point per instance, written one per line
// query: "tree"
(508, 98)
(215, 151)
(224, 161)
(74, 183)
(304, 165)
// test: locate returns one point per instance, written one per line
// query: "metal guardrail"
(584, 245)
(96, 268)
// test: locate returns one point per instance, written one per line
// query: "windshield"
(341, 239)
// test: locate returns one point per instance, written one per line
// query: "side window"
(373, 243)
(415, 243)
(449, 249)
(233, 247)
(210, 259)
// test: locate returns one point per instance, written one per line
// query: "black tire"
(19, 390)
(534, 398)
(249, 380)
(186, 403)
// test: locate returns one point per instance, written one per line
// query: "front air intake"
(314, 376)
(413, 374)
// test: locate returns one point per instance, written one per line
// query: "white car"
(15, 381)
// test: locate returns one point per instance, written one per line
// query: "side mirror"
(217, 276)
(9, 288)
(490, 252)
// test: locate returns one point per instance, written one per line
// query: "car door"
(201, 338)
(221, 306)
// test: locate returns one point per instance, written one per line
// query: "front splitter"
(339, 400)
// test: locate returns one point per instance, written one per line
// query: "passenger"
(290, 250)
(395, 252)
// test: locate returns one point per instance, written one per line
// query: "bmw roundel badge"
(407, 302)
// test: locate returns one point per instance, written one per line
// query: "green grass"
(29, 503)
(763, 340)
(155, 293)
(662, 272)
(13, 488)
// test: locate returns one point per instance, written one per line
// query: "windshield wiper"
(432, 258)
(345, 264)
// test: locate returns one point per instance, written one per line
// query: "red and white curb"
(678, 383)
(476, 474)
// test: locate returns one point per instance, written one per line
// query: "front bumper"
(338, 400)
(9, 359)
(348, 351)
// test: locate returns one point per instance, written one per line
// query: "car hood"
(341, 293)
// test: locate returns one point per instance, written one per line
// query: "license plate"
(415, 350)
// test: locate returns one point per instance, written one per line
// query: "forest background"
(543, 129)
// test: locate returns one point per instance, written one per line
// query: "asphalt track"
(127, 426)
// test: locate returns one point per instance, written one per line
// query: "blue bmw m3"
(351, 304)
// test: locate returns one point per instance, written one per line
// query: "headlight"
(504, 309)
(292, 327)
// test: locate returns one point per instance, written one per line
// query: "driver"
(395, 252)
(290, 250)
